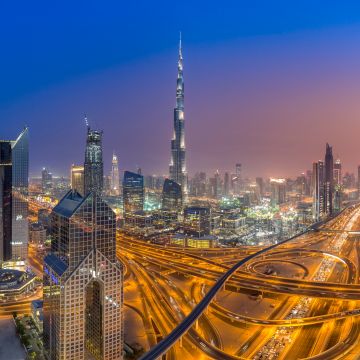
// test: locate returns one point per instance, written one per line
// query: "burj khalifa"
(177, 171)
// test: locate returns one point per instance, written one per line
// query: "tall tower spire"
(177, 171)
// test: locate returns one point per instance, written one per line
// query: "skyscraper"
(14, 174)
(337, 173)
(114, 177)
(278, 191)
(328, 181)
(46, 181)
(171, 195)
(238, 179)
(177, 170)
(318, 189)
(93, 166)
(226, 184)
(77, 179)
(260, 185)
(133, 192)
(83, 282)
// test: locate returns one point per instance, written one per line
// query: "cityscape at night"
(180, 181)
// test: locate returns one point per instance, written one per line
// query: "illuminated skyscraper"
(177, 168)
(318, 189)
(171, 196)
(114, 177)
(77, 179)
(133, 192)
(337, 173)
(46, 181)
(278, 191)
(83, 282)
(14, 174)
(93, 166)
(237, 180)
(328, 181)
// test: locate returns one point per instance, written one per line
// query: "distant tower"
(93, 166)
(328, 181)
(114, 177)
(46, 181)
(177, 168)
(337, 172)
(133, 192)
(318, 189)
(171, 196)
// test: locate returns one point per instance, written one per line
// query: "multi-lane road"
(295, 300)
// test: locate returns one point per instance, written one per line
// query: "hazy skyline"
(267, 96)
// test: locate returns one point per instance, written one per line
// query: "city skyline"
(303, 72)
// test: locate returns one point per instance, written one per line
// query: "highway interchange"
(298, 300)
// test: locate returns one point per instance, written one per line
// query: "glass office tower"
(133, 192)
(83, 282)
(14, 173)
(171, 196)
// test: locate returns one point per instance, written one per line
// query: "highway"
(222, 304)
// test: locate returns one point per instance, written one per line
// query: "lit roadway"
(294, 300)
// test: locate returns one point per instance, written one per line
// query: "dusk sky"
(267, 83)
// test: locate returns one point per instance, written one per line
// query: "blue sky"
(61, 59)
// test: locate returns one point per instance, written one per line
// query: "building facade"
(197, 221)
(14, 174)
(329, 181)
(318, 190)
(46, 181)
(77, 178)
(114, 177)
(171, 196)
(133, 192)
(83, 282)
(177, 169)
(93, 166)
(278, 191)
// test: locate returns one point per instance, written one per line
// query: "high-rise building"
(226, 184)
(197, 221)
(318, 189)
(133, 192)
(171, 196)
(260, 185)
(46, 181)
(328, 181)
(114, 177)
(237, 179)
(177, 169)
(278, 191)
(93, 166)
(14, 174)
(77, 178)
(83, 282)
(337, 173)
